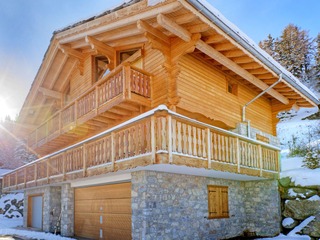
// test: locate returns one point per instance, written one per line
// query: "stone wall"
(262, 207)
(67, 217)
(242, 129)
(51, 206)
(174, 206)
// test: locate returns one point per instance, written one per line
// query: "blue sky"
(26, 28)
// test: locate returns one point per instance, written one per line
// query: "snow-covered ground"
(8, 226)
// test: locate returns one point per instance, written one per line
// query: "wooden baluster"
(203, 142)
(169, 131)
(126, 143)
(219, 148)
(164, 134)
(153, 140)
(185, 138)
(199, 138)
(136, 138)
(179, 137)
(84, 161)
(226, 144)
(194, 141)
(112, 150)
(142, 137)
(174, 135)
(215, 146)
(209, 147)
(189, 140)
(238, 157)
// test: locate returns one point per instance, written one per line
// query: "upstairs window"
(101, 67)
(218, 205)
(232, 87)
(124, 55)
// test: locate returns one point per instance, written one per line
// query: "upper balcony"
(117, 96)
(153, 140)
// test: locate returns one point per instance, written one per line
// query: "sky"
(26, 27)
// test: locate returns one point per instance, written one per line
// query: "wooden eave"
(169, 19)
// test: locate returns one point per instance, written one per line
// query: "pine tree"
(297, 52)
(312, 159)
(269, 46)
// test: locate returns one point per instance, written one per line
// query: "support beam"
(74, 54)
(219, 57)
(214, 39)
(145, 27)
(50, 93)
(102, 49)
(174, 28)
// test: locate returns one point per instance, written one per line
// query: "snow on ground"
(8, 226)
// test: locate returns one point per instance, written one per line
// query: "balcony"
(117, 96)
(154, 138)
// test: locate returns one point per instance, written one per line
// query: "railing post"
(60, 122)
(238, 154)
(96, 99)
(209, 147)
(64, 166)
(153, 140)
(25, 177)
(84, 154)
(127, 81)
(169, 129)
(76, 111)
(35, 173)
(112, 150)
(260, 159)
(16, 179)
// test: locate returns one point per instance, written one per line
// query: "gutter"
(287, 77)
(254, 99)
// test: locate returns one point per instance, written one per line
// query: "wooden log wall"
(153, 63)
(203, 89)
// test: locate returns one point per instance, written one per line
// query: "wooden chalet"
(150, 87)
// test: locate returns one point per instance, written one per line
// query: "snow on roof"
(232, 30)
(118, 6)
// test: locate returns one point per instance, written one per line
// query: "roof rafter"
(185, 35)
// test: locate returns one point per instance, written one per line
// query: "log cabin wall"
(80, 83)
(153, 63)
(203, 89)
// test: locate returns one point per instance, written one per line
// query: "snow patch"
(314, 198)
(298, 228)
(287, 222)
(154, 2)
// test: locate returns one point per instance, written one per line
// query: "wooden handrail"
(88, 101)
(155, 132)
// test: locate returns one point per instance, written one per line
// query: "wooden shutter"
(218, 205)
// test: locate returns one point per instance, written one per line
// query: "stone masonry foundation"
(175, 206)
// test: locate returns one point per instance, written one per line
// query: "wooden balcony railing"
(122, 83)
(156, 137)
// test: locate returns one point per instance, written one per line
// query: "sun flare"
(5, 110)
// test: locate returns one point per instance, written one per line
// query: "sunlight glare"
(4, 109)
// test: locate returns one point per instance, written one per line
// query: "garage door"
(103, 212)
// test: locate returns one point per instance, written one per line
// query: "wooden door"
(103, 212)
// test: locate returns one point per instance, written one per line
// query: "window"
(101, 67)
(124, 55)
(218, 205)
(232, 88)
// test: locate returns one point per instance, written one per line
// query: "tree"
(294, 50)
(269, 46)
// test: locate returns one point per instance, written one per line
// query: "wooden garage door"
(103, 212)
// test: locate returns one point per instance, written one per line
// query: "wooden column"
(169, 132)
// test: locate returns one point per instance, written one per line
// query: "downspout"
(254, 99)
